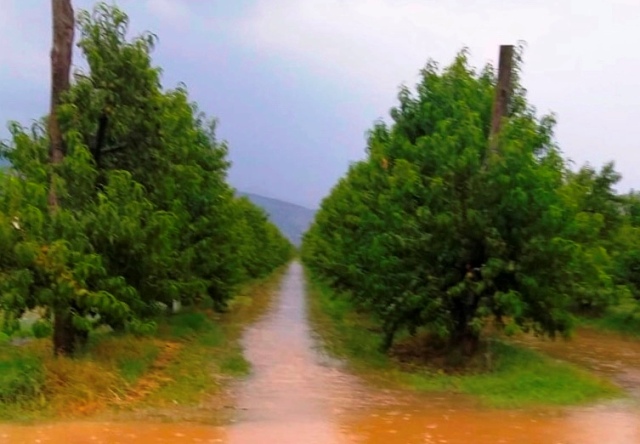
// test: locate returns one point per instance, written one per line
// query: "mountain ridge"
(292, 219)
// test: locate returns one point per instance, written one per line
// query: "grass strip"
(190, 357)
(519, 377)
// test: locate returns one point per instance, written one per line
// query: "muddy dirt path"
(297, 394)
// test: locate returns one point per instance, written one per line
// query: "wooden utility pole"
(503, 96)
(61, 53)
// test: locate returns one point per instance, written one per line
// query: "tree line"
(117, 203)
(432, 231)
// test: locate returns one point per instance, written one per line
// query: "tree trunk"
(463, 338)
(390, 330)
(502, 98)
(466, 341)
(64, 332)
(61, 52)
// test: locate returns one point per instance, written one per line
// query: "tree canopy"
(428, 231)
(145, 215)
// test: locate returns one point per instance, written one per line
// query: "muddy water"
(603, 353)
(297, 394)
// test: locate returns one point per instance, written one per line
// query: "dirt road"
(297, 394)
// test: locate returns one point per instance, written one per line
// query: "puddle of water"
(606, 354)
(114, 433)
(371, 426)
(297, 394)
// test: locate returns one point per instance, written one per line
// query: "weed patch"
(78, 387)
(131, 356)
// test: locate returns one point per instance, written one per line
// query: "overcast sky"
(296, 83)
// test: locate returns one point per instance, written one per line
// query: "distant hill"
(293, 220)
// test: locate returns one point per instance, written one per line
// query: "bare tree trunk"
(503, 96)
(64, 332)
(61, 53)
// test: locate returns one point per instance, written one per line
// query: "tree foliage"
(429, 232)
(625, 243)
(145, 215)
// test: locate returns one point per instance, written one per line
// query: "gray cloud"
(581, 60)
(296, 83)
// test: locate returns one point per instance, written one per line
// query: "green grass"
(525, 377)
(212, 353)
(21, 377)
(191, 374)
(187, 360)
(622, 318)
(188, 323)
(132, 366)
(519, 377)
(235, 364)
